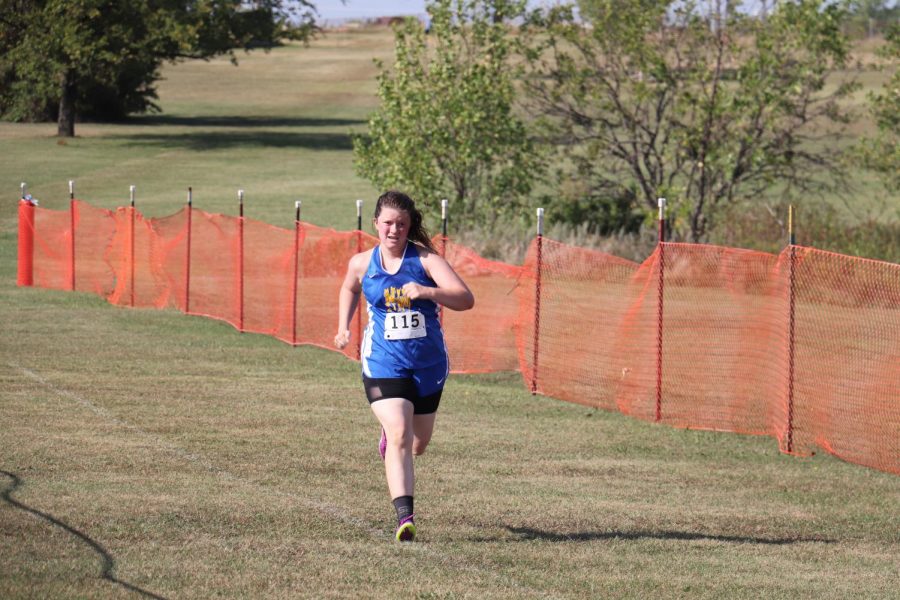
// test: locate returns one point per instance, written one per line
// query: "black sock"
(404, 507)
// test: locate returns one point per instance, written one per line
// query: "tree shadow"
(218, 132)
(108, 564)
(240, 121)
(529, 534)
(220, 140)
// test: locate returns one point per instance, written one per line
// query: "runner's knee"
(401, 435)
(419, 445)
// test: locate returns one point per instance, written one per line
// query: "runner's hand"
(342, 339)
(414, 291)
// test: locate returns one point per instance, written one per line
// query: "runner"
(404, 358)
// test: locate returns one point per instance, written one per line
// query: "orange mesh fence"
(571, 350)
(83, 265)
(482, 340)
(323, 258)
(52, 249)
(92, 271)
(149, 258)
(131, 259)
(167, 262)
(268, 259)
(215, 270)
(724, 338)
(846, 392)
(803, 346)
(636, 352)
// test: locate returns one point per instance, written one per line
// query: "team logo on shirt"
(396, 300)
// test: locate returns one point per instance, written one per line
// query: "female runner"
(404, 359)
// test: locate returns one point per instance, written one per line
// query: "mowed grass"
(278, 126)
(150, 454)
(188, 460)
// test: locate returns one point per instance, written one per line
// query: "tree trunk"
(66, 122)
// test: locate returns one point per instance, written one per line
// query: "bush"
(509, 242)
(816, 225)
(607, 212)
(753, 228)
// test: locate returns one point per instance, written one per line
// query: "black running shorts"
(381, 388)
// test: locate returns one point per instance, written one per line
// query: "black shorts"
(381, 388)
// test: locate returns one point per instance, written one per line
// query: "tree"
(872, 15)
(446, 126)
(62, 58)
(701, 104)
(881, 152)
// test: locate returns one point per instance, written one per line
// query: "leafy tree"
(446, 126)
(62, 58)
(701, 104)
(872, 15)
(881, 153)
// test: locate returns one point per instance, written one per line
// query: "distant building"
(387, 21)
(348, 23)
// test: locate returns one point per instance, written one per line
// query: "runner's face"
(393, 227)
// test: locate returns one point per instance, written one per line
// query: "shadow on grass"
(526, 533)
(221, 140)
(245, 131)
(107, 560)
(237, 121)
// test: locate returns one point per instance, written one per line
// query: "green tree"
(881, 152)
(871, 16)
(446, 126)
(62, 58)
(699, 103)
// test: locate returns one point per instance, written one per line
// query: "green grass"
(278, 125)
(147, 453)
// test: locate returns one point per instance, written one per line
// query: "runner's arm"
(348, 299)
(451, 290)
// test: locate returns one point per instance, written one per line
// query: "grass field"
(151, 454)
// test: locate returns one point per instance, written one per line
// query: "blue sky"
(351, 9)
(335, 9)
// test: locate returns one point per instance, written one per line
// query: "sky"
(352, 9)
(335, 9)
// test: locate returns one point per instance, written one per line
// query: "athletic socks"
(404, 507)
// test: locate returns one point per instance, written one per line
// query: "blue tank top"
(406, 344)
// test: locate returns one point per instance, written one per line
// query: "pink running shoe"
(382, 444)
(406, 530)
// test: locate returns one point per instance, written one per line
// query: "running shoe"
(406, 530)
(382, 444)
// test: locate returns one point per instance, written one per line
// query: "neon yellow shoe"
(406, 530)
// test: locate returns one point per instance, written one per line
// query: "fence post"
(443, 246)
(296, 274)
(187, 260)
(444, 228)
(25, 276)
(537, 300)
(131, 243)
(791, 323)
(72, 221)
(241, 261)
(659, 306)
(358, 316)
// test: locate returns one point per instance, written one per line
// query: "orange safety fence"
(483, 340)
(803, 346)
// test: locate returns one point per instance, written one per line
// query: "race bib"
(404, 325)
